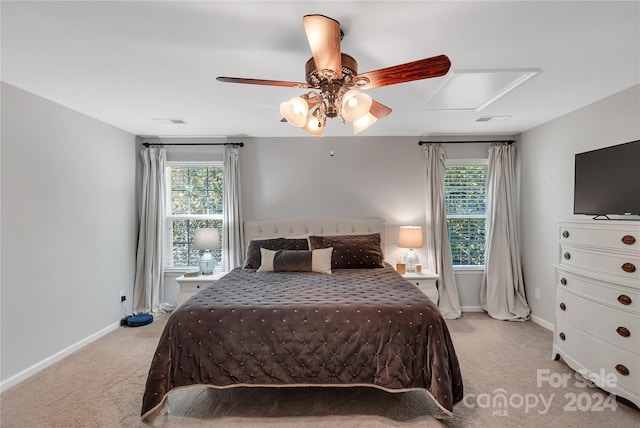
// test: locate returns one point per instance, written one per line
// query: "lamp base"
(207, 263)
(411, 260)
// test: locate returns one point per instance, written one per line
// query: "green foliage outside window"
(195, 202)
(467, 237)
(196, 190)
(466, 204)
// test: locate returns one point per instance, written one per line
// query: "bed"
(285, 319)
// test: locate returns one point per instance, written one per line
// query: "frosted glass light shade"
(295, 111)
(311, 127)
(363, 123)
(355, 105)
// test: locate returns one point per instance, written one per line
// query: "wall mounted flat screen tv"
(607, 181)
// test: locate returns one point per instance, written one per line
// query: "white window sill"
(181, 270)
(468, 270)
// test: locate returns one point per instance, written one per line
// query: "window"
(194, 201)
(466, 205)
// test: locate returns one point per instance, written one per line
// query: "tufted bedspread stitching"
(354, 327)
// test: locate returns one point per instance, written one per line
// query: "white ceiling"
(127, 62)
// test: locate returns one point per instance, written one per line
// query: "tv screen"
(607, 180)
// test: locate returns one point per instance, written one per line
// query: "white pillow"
(321, 260)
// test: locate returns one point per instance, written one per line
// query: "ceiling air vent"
(492, 118)
(170, 120)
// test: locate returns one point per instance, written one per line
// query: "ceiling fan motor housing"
(315, 77)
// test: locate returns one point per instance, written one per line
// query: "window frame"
(463, 162)
(168, 261)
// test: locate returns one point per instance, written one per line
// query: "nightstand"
(426, 282)
(190, 285)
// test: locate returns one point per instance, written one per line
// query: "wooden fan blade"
(263, 82)
(417, 70)
(379, 110)
(324, 39)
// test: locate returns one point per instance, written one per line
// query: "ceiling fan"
(334, 77)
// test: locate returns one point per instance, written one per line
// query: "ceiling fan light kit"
(335, 82)
(295, 111)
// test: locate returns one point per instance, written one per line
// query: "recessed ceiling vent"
(492, 118)
(170, 120)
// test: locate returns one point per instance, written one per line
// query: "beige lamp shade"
(206, 239)
(410, 237)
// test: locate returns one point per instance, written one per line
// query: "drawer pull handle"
(624, 299)
(562, 336)
(567, 256)
(563, 281)
(623, 331)
(628, 239)
(622, 369)
(629, 267)
(565, 234)
(563, 306)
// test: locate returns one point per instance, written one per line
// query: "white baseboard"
(30, 371)
(542, 323)
(471, 309)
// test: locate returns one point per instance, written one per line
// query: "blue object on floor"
(139, 320)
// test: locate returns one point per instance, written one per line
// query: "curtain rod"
(468, 141)
(191, 144)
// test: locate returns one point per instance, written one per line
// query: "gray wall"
(69, 210)
(68, 228)
(366, 177)
(546, 193)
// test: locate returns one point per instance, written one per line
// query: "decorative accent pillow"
(296, 260)
(351, 251)
(253, 252)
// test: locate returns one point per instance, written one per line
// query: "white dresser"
(597, 329)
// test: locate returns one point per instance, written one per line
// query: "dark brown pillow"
(351, 251)
(253, 252)
(296, 260)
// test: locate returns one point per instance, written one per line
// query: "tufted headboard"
(315, 225)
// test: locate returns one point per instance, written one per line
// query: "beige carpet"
(102, 385)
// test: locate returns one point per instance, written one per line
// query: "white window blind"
(466, 204)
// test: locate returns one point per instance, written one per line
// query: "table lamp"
(207, 240)
(410, 237)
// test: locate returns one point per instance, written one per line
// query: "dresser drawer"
(605, 292)
(615, 327)
(599, 357)
(604, 234)
(622, 265)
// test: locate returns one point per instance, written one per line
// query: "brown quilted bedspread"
(354, 327)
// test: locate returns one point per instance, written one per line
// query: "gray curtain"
(437, 234)
(148, 289)
(232, 232)
(502, 293)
